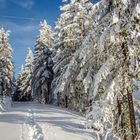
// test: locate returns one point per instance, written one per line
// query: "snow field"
(31, 121)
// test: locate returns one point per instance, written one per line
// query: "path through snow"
(30, 129)
(30, 121)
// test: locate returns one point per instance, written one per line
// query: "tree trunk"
(129, 125)
(132, 116)
(66, 101)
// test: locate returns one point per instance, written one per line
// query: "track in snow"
(30, 129)
(31, 121)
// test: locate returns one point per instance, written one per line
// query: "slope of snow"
(5, 103)
(2, 107)
(31, 121)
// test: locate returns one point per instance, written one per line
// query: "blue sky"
(22, 18)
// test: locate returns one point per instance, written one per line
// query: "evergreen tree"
(17, 92)
(73, 26)
(116, 64)
(24, 87)
(101, 72)
(42, 73)
(74, 23)
(6, 65)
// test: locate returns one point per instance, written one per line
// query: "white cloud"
(28, 4)
(14, 27)
(22, 35)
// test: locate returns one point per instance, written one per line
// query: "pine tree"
(74, 23)
(73, 26)
(18, 92)
(115, 67)
(6, 64)
(24, 87)
(42, 73)
(102, 69)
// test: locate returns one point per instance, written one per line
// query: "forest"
(90, 64)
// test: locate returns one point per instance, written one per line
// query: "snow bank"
(5, 103)
(2, 108)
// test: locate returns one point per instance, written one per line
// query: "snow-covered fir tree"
(24, 88)
(17, 93)
(42, 73)
(113, 88)
(6, 64)
(74, 24)
(100, 72)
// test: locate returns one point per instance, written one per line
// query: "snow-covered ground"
(31, 121)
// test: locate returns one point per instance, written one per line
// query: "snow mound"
(5, 103)
(2, 108)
